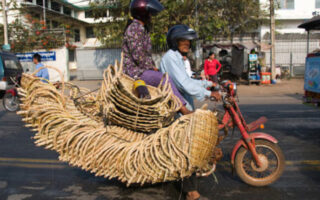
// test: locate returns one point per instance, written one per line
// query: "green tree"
(215, 17)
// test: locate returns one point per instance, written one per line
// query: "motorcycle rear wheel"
(10, 102)
(272, 159)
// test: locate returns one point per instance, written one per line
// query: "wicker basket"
(121, 107)
(171, 153)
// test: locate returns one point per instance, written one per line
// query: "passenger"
(137, 48)
(43, 73)
(179, 39)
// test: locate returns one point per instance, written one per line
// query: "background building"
(291, 13)
(291, 41)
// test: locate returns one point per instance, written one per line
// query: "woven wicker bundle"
(121, 107)
(170, 153)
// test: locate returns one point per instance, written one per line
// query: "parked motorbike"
(256, 157)
(10, 99)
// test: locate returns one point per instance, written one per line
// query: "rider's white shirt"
(188, 67)
(172, 63)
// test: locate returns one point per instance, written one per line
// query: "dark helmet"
(179, 32)
(141, 9)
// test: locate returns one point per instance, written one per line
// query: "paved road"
(29, 172)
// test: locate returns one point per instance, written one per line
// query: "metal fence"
(291, 54)
(92, 62)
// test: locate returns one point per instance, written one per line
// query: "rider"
(136, 47)
(179, 39)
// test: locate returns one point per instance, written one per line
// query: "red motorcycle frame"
(10, 100)
(269, 158)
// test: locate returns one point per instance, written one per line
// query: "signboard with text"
(45, 56)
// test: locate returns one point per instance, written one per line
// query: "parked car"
(9, 67)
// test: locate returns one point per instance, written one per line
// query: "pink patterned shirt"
(136, 50)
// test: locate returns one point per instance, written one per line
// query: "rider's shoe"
(202, 198)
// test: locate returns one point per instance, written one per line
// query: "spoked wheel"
(272, 160)
(10, 102)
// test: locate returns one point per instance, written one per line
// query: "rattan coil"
(171, 153)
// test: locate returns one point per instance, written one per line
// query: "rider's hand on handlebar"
(56, 84)
(216, 95)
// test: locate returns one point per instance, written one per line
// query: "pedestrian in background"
(211, 68)
(43, 73)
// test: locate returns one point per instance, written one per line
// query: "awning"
(311, 24)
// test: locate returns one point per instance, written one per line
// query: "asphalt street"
(30, 172)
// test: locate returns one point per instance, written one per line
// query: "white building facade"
(291, 13)
(58, 12)
(291, 41)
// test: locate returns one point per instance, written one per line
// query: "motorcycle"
(256, 157)
(10, 99)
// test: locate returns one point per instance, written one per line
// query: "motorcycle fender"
(254, 136)
(12, 91)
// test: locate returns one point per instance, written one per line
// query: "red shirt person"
(212, 67)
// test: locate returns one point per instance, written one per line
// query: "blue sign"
(312, 75)
(45, 56)
(253, 57)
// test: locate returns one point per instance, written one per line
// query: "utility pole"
(197, 53)
(44, 11)
(273, 38)
(5, 24)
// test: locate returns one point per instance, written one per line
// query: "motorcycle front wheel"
(10, 102)
(272, 160)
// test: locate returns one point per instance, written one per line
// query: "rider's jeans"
(190, 184)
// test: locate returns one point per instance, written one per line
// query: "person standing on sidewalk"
(211, 68)
(137, 49)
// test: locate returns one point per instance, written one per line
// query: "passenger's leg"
(153, 78)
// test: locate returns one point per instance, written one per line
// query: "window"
(285, 4)
(11, 64)
(72, 55)
(88, 14)
(89, 32)
(76, 35)
(66, 10)
(317, 3)
(55, 6)
(40, 3)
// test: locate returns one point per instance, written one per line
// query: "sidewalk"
(293, 86)
(284, 92)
